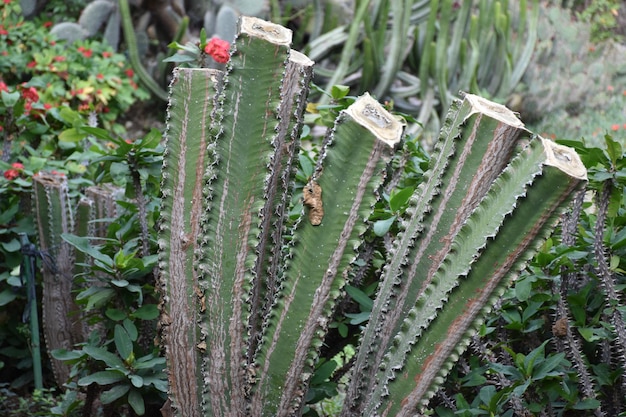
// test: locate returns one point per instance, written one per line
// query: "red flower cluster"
(218, 49)
(85, 51)
(616, 127)
(13, 173)
(31, 96)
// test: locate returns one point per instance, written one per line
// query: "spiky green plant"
(56, 217)
(247, 298)
(62, 327)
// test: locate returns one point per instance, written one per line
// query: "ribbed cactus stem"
(514, 218)
(245, 129)
(185, 161)
(295, 87)
(476, 143)
(353, 163)
(54, 217)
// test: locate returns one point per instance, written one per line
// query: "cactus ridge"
(187, 157)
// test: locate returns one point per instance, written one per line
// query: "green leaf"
(202, 37)
(66, 355)
(102, 378)
(358, 318)
(114, 393)
(131, 329)
(101, 354)
(96, 296)
(83, 245)
(158, 383)
(136, 380)
(136, 402)
(339, 91)
(146, 312)
(381, 227)
(324, 372)
(613, 150)
(152, 139)
(399, 199)
(587, 404)
(123, 343)
(71, 135)
(179, 58)
(146, 362)
(115, 314)
(9, 99)
(547, 367)
(98, 132)
(12, 245)
(7, 296)
(306, 164)
(119, 172)
(7, 215)
(360, 297)
(69, 116)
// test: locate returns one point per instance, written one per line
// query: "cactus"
(62, 329)
(63, 324)
(247, 297)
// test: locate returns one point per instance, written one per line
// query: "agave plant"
(248, 296)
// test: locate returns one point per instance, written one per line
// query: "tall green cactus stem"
(502, 234)
(185, 160)
(295, 87)
(245, 129)
(353, 162)
(477, 141)
(62, 327)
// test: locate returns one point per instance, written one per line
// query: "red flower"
(59, 58)
(30, 94)
(7, 1)
(31, 64)
(47, 24)
(615, 127)
(107, 54)
(218, 49)
(3, 86)
(130, 73)
(3, 31)
(11, 174)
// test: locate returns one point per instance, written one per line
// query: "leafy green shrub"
(40, 81)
